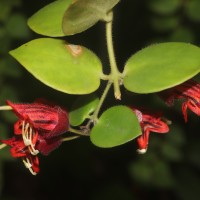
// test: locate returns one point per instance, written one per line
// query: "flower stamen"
(28, 135)
(28, 165)
(2, 146)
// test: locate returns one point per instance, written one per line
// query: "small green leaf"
(159, 67)
(82, 108)
(16, 26)
(48, 20)
(83, 14)
(68, 68)
(116, 126)
(165, 23)
(182, 34)
(192, 9)
(164, 6)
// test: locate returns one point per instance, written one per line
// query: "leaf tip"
(12, 53)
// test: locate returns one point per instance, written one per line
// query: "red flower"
(38, 129)
(20, 150)
(149, 122)
(189, 91)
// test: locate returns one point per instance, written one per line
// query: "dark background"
(79, 170)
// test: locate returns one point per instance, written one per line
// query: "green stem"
(70, 138)
(115, 74)
(96, 112)
(78, 132)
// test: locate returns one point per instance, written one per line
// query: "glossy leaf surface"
(116, 126)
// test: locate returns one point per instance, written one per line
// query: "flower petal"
(18, 149)
(49, 120)
(143, 141)
(45, 146)
(189, 91)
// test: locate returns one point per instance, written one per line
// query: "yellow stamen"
(141, 151)
(28, 165)
(5, 108)
(2, 146)
(33, 150)
(27, 135)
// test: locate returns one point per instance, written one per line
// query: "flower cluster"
(189, 92)
(39, 129)
(41, 125)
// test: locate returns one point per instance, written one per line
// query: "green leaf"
(165, 7)
(6, 8)
(48, 20)
(68, 68)
(182, 34)
(192, 10)
(16, 26)
(162, 66)
(116, 126)
(82, 108)
(83, 14)
(155, 172)
(165, 23)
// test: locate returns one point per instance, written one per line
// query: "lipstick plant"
(163, 68)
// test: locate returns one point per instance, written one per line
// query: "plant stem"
(70, 138)
(79, 132)
(115, 74)
(105, 92)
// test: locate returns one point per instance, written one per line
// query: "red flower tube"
(189, 92)
(149, 122)
(38, 130)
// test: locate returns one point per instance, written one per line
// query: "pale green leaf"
(161, 66)
(48, 20)
(68, 68)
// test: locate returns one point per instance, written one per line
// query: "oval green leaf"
(83, 14)
(68, 68)
(164, 24)
(48, 20)
(116, 126)
(159, 67)
(82, 108)
(165, 7)
(192, 10)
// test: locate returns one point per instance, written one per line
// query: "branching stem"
(78, 132)
(115, 74)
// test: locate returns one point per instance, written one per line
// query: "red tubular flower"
(149, 122)
(189, 91)
(20, 150)
(38, 129)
